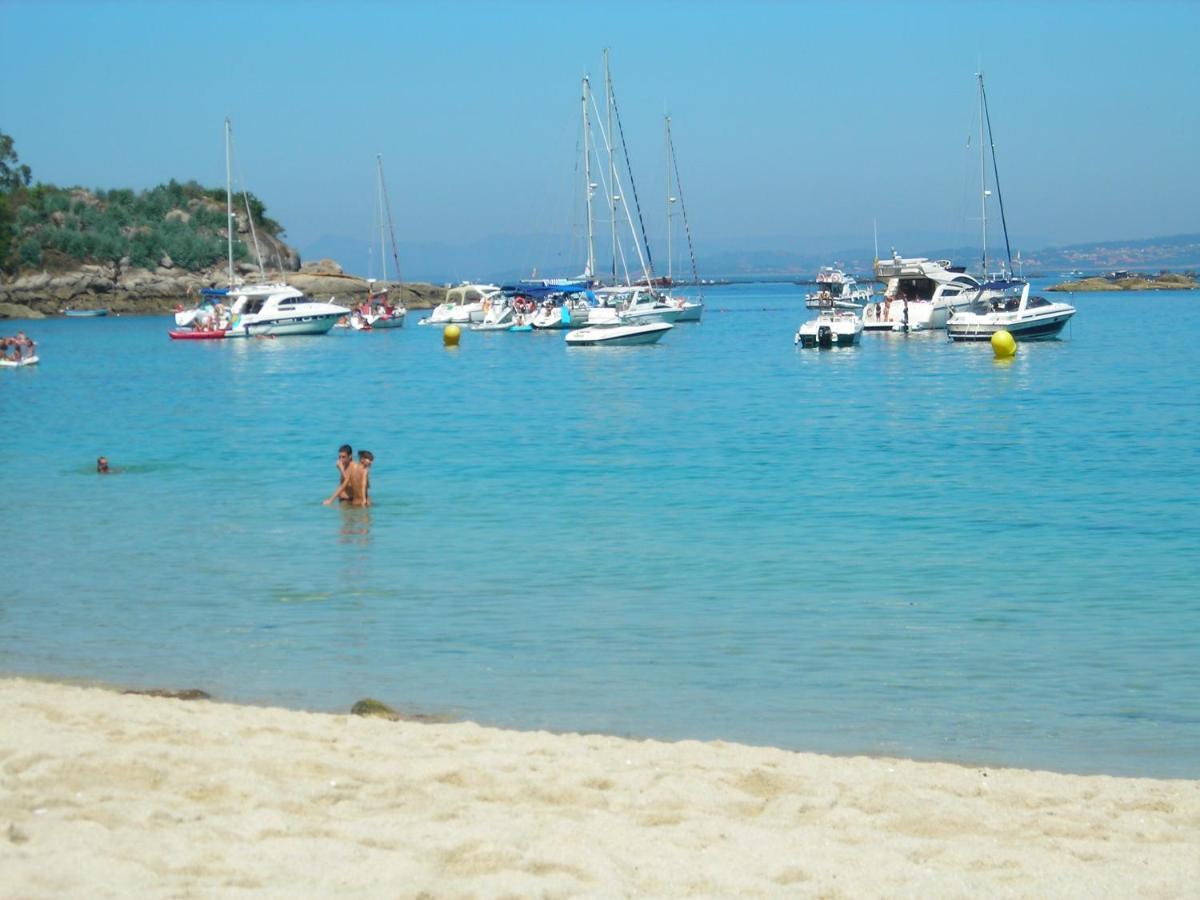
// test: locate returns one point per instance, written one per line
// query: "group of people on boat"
(17, 348)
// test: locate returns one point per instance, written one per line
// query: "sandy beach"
(107, 794)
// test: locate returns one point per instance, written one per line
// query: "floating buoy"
(1004, 345)
(450, 335)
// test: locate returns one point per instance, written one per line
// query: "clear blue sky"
(793, 122)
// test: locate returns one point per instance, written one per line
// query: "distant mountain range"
(507, 257)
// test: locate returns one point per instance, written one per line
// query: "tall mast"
(983, 192)
(229, 195)
(612, 169)
(670, 199)
(996, 172)
(382, 251)
(590, 271)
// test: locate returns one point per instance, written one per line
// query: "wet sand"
(106, 794)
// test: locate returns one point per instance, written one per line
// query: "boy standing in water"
(344, 458)
(355, 482)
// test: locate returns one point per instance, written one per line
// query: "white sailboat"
(376, 312)
(265, 309)
(689, 310)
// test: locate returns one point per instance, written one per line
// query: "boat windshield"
(915, 289)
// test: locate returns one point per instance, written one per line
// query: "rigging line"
(683, 208)
(996, 173)
(632, 186)
(387, 207)
(250, 218)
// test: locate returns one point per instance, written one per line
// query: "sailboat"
(257, 310)
(376, 312)
(1003, 303)
(690, 310)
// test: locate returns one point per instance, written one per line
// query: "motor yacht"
(836, 287)
(278, 309)
(1025, 317)
(921, 294)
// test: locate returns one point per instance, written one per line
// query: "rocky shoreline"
(130, 291)
(1168, 282)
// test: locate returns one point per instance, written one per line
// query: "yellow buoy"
(450, 335)
(1004, 345)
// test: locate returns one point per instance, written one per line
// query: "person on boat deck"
(353, 487)
(344, 458)
(102, 465)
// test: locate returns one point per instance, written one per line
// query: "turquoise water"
(906, 548)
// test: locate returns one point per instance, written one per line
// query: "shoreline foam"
(128, 794)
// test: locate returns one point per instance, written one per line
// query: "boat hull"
(1044, 328)
(85, 313)
(314, 324)
(18, 363)
(189, 335)
(618, 335)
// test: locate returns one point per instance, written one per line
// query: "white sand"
(104, 794)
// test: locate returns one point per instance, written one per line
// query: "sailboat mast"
(983, 191)
(670, 199)
(386, 213)
(382, 251)
(996, 172)
(590, 271)
(612, 168)
(229, 195)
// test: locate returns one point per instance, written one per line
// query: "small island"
(1130, 281)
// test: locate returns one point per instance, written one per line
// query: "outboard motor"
(824, 336)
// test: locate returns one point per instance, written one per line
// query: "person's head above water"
(345, 452)
(102, 464)
(366, 457)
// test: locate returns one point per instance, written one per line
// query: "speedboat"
(831, 328)
(463, 305)
(689, 310)
(608, 329)
(638, 305)
(836, 287)
(85, 313)
(921, 294)
(1026, 318)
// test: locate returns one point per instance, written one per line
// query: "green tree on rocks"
(14, 177)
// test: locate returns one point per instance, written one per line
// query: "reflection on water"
(356, 524)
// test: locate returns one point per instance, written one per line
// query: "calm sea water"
(907, 548)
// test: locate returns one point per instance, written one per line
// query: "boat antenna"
(386, 210)
(229, 195)
(632, 185)
(995, 169)
(682, 206)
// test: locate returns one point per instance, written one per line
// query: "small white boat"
(376, 313)
(609, 330)
(18, 363)
(689, 310)
(1026, 318)
(573, 311)
(831, 328)
(836, 287)
(463, 305)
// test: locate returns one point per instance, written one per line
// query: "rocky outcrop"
(143, 292)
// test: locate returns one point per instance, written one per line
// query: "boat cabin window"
(473, 297)
(915, 289)
(1037, 301)
(254, 305)
(289, 302)
(835, 288)
(967, 280)
(950, 292)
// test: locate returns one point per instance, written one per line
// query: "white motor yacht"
(640, 305)
(608, 329)
(277, 309)
(921, 294)
(832, 327)
(836, 287)
(1026, 318)
(463, 305)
